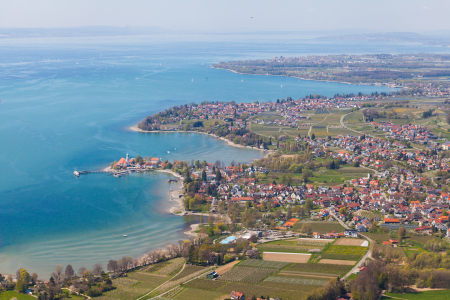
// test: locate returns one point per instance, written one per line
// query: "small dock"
(115, 173)
(172, 180)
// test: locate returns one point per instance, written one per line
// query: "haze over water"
(67, 102)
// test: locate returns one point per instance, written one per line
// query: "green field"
(205, 284)
(434, 295)
(247, 274)
(378, 237)
(272, 289)
(193, 294)
(8, 295)
(318, 269)
(346, 250)
(134, 285)
(187, 271)
(259, 263)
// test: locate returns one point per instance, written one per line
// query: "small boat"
(168, 152)
(125, 235)
(117, 175)
(175, 149)
(76, 173)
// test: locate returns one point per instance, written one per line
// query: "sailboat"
(76, 173)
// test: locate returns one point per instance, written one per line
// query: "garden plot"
(257, 263)
(297, 280)
(287, 257)
(350, 242)
(337, 262)
(247, 274)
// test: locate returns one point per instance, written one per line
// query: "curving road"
(363, 259)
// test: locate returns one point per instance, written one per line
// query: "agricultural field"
(134, 285)
(339, 256)
(205, 284)
(287, 257)
(369, 214)
(346, 250)
(8, 295)
(258, 263)
(435, 295)
(320, 226)
(318, 269)
(273, 289)
(378, 237)
(337, 262)
(276, 246)
(313, 242)
(349, 242)
(294, 280)
(187, 271)
(247, 274)
(227, 267)
(169, 267)
(190, 294)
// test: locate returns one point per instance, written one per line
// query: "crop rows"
(297, 280)
(258, 263)
(176, 264)
(247, 275)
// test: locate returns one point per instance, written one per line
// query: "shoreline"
(397, 87)
(229, 142)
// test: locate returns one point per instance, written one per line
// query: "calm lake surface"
(67, 103)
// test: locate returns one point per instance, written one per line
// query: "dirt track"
(222, 270)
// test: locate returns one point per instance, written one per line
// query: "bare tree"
(124, 262)
(97, 269)
(81, 271)
(59, 272)
(69, 272)
(113, 266)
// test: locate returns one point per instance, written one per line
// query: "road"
(363, 259)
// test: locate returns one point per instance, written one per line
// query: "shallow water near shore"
(66, 103)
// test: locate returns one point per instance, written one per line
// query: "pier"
(115, 173)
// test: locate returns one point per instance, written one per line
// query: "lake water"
(66, 103)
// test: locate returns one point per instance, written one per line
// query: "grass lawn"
(8, 295)
(187, 271)
(435, 295)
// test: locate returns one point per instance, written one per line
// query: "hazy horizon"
(231, 16)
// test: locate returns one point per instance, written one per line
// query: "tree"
(313, 136)
(112, 266)
(87, 274)
(81, 271)
(343, 210)
(69, 272)
(204, 176)
(97, 269)
(306, 228)
(25, 276)
(34, 278)
(59, 271)
(124, 262)
(402, 232)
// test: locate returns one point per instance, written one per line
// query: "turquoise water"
(67, 103)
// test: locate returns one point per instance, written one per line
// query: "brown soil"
(286, 257)
(337, 262)
(223, 269)
(349, 242)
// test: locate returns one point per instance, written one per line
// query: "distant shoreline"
(309, 79)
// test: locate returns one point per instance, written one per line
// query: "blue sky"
(231, 15)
